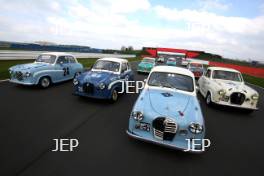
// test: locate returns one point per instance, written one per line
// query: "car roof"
(58, 53)
(149, 58)
(172, 69)
(224, 69)
(113, 59)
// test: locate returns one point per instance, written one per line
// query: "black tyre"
(114, 96)
(208, 99)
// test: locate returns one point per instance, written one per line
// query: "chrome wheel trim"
(208, 99)
(114, 95)
(45, 82)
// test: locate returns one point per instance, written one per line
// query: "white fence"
(17, 55)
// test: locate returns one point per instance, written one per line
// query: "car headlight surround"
(75, 81)
(101, 86)
(196, 128)
(27, 74)
(255, 97)
(221, 92)
(137, 115)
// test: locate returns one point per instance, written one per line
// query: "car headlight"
(221, 92)
(195, 128)
(75, 81)
(254, 97)
(137, 115)
(27, 74)
(10, 71)
(101, 85)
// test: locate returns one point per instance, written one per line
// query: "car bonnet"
(168, 103)
(30, 66)
(96, 76)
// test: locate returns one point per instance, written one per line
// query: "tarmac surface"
(32, 117)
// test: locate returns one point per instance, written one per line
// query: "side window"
(71, 59)
(124, 67)
(62, 60)
(208, 74)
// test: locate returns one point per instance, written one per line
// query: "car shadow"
(165, 151)
(37, 87)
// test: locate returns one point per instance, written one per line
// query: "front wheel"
(208, 99)
(114, 96)
(44, 82)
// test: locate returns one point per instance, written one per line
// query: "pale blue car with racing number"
(48, 68)
(167, 111)
(106, 79)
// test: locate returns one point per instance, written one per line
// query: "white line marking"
(4, 80)
(255, 85)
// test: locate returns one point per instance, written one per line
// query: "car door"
(130, 72)
(63, 65)
(124, 72)
(73, 67)
(205, 81)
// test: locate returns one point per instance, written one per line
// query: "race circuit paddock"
(31, 117)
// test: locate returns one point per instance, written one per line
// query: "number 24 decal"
(66, 71)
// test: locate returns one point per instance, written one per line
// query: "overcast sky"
(232, 29)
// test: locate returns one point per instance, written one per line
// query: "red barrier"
(257, 72)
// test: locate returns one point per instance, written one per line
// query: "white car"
(226, 86)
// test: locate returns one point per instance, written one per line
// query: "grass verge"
(5, 64)
(254, 80)
(88, 62)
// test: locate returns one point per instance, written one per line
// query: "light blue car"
(167, 111)
(48, 68)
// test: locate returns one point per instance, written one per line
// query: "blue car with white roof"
(52, 67)
(167, 111)
(106, 79)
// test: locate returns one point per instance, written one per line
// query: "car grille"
(237, 98)
(164, 128)
(18, 75)
(88, 88)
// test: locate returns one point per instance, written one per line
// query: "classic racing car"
(225, 86)
(171, 61)
(48, 68)
(105, 80)
(167, 111)
(146, 65)
(196, 68)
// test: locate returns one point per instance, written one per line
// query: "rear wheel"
(44, 82)
(77, 74)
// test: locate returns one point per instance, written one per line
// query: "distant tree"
(130, 48)
(123, 48)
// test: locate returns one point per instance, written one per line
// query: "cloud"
(232, 36)
(108, 24)
(213, 5)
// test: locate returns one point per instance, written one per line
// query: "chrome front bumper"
(21, 82)
(159, 143)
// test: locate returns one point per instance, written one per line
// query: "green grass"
(254, 80)
(88, 62)
(5, 64)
